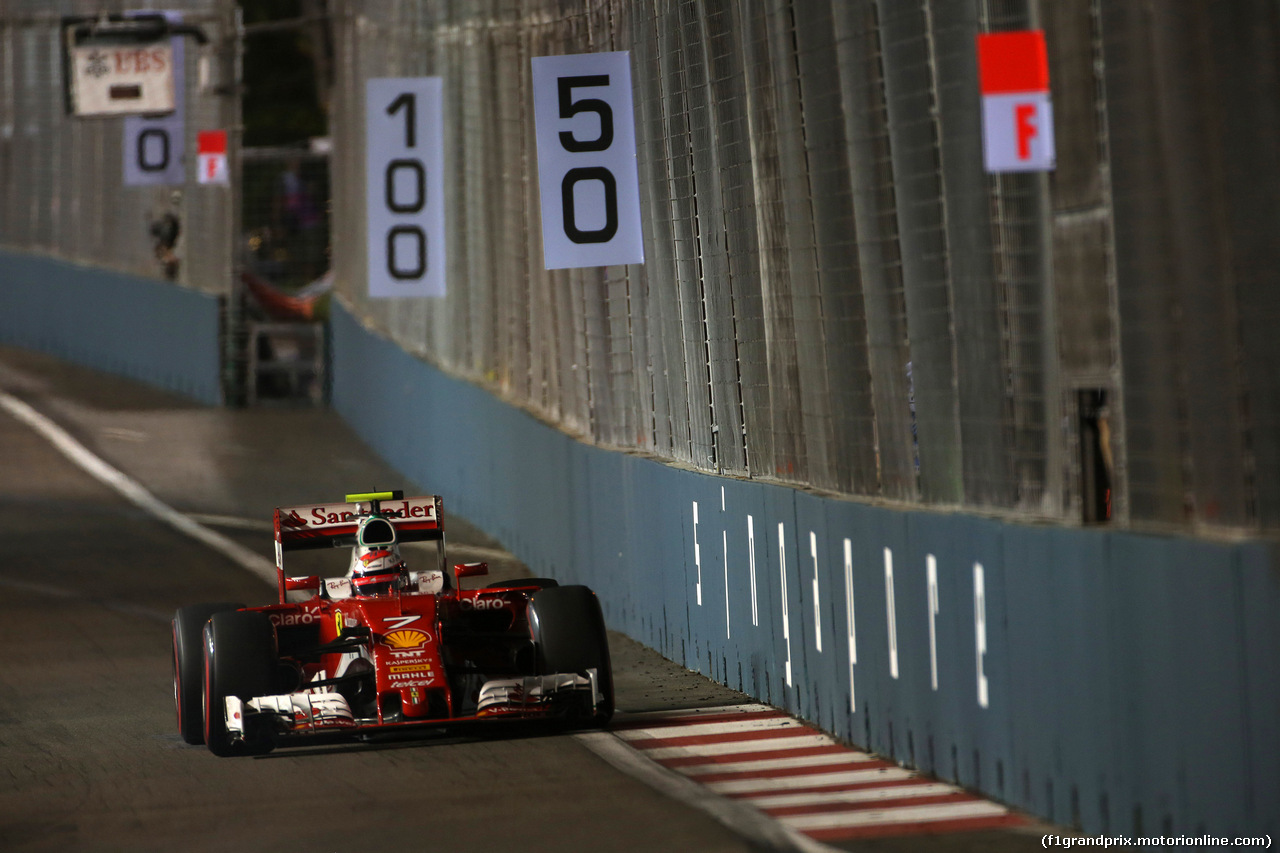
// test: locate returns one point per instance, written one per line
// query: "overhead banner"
(585, 127)
(154, 147)
(1017, 114)
(404, 186)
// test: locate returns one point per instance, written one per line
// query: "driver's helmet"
(376, 565)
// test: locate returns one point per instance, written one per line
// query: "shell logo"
(407, 639)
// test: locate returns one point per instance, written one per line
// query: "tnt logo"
(1017, 114)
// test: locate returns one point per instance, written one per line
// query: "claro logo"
(483, 603)
(304, 617)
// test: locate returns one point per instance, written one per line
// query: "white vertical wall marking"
(817, 609)
(889, 608)
(751, 563)
(931, 567)
(980, 629)
(724, 542)
(786, 607)
(848, 609)
(697, 552)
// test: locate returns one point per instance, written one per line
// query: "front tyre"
(188, 666)
(239, 660)
(569, 636)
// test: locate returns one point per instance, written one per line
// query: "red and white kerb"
(211, 157)
(1017, 114)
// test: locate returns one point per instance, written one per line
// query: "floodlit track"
(91, 756)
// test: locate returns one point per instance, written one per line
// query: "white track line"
(857, 795)
(777, 763)
(811, 780)
(691, 713)
(702, 729)
(134, 492)
(698, 750)
(902, 814)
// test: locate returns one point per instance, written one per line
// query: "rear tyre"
(188, 666)
(540, 583)
(569, 636)
(239, 660)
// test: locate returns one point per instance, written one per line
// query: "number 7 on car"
(404, 188)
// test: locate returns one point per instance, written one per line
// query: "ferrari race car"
(386, 647)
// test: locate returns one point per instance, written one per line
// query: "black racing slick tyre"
(188, 666)
(569, 636)
(540, 583)
(239, 660)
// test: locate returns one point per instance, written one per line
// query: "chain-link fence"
(63, 177)
(285, 219)
(836, 294)
(285, 258)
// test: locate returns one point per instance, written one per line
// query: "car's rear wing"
(334, 525)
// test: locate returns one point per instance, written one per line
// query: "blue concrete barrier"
(1120, 682)
(152, 331)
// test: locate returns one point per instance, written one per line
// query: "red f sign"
(211, 157)
(1017, 115)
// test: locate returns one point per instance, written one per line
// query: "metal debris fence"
(836, 295)
(62, 189)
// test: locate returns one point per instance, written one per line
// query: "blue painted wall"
(148, 330)
(1132, 681)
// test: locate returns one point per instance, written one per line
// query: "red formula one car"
(385, 647)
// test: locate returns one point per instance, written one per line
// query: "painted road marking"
(777, 763)
(856, 795)
(902, 814)
(733, 747)
(815, 787)
(133, 491)
(812, 780)
(697, 729)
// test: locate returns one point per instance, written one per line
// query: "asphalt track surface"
(89, 754)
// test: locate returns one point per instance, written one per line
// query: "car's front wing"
(319, 712)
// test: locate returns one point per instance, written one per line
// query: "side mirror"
(470, 570)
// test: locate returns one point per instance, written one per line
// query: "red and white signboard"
(112, 80)
(1017, 114)
(211, 157)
